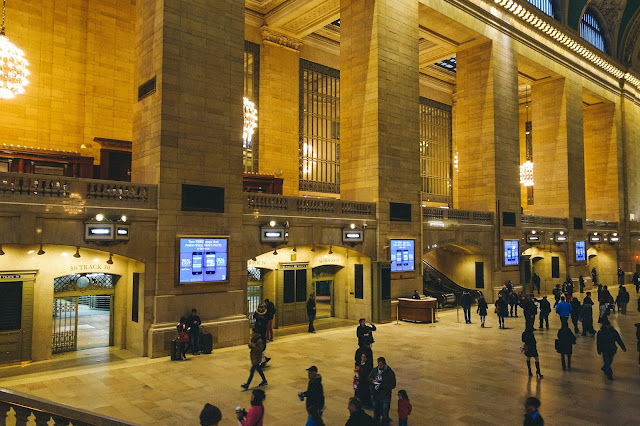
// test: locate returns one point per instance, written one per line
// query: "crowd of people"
(373, 384)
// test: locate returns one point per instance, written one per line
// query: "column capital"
(271, 36)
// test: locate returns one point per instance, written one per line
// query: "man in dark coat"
(594, 276)
(536, 282)
(357, 415)
(635, 280)
(566, 340)
(365, 333)
(606, 344)
(545, 310)
(193, 322)
(271, 313)
(530, 310)
(557, 292)
(465, 302)
(620, 276)
(311, 311)
(575, 314)
(513, 304)
(586, 315)
(314, 393)
(382, 380)
(623, 300)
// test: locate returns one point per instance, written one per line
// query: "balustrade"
(309, 206)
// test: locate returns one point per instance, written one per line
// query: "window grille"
(590, 31)
(251, 85)
(544, 5)
(448, 64)
(435, 152)
(319, 147)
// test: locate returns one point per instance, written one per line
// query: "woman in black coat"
(364, 369)
(502, 309)
(482, 310)
(530, 349)
(564, 344)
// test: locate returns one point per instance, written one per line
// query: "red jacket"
(404, 408)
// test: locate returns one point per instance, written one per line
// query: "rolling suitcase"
(175, 350)
(206, 343)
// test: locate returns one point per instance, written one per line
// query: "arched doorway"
(82, 311)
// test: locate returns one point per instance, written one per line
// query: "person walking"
(575, 313)
(465, 302)
(536, 282)
(622, 300)
(482, 310)
(545, 310)
(314, 393)
(620, 276)
(603, 312)
(357, 416)
(563, 310)
(581, 281)
(513, 304)
(529, 310)
(261, 320)
(364, 367)
(635, 280)
(404, 408)
(311, 311)
(594, 276)
(564, 345)
(382, 380)
(502, 311)
(271, 314)
(606, 345)
(532, 416)
(364, 333)
(257, 347)
(255, 415)
(530, 350)
(586, 315)
(194, 323)
(183, 338)
(557, 292)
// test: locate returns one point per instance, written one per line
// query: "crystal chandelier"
(13, 66)
(250, 120)
(526, 173)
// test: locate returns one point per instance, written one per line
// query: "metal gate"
(254, 296)
(65, 325)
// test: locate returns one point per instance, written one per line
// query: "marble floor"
(454, 373)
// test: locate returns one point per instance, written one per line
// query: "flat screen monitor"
(402, 255)
(581, 251)
(511, 252)
(203, 259)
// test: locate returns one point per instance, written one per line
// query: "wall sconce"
(104, 230)
(77, 255)
(330, 249)
(110, 261)
(41, 251)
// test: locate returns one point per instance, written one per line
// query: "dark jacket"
(368, 352)
(623, 297)
(513, 298)
(311, 307)
(466, 300)
(530, 420)
(530, 309)
(360, 418)
(545, 307)
(271, 310)
(482, 307)
(361, 331)
(607, 338)
(193, 322)
(566, 340)
(261, 320)
(575, 304)
(315, 393)
(385, 387)
(586, 312)
(503, 308)
(257, 347)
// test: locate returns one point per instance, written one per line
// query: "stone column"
(379, 97)
(279, 107)
(190, 132)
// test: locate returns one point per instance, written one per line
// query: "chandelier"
(13, 66)
(526, 173)
(250, 120)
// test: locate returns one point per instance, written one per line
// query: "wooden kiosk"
(418, 310)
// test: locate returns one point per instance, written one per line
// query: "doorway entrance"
(324, 301)
(83, 312)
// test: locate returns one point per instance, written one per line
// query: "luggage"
(206, 343)
(175, 350)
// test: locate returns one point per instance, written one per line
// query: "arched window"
(591, 30)
(544, 5)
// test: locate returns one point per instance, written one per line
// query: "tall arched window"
(544, 5)
(591, 31)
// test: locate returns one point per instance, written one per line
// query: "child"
(404, 407)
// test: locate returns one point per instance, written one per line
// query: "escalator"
(438, 285)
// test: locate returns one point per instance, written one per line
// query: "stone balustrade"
(67, 190)
(456, 215)
(309, 206)
(602, 225)
(20, 409)
(543, 221)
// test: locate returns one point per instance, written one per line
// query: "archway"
(604, 258)
(549, 264)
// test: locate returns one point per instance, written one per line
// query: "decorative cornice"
(271, 36)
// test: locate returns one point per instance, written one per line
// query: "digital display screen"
(511, 252)
(402, 252)
(581, 250)
(203, 259)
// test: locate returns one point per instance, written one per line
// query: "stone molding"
(274, 37)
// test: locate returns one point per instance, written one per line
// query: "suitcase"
(206, 343)
(176, 355)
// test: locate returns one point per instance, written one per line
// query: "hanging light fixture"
(250, 120)
(526, 173)
(13, 66)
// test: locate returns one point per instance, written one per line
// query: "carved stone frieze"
(271, 36)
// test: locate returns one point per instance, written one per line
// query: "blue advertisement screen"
(511, 252)
(581, 250)
(203, 259)
(402, 252)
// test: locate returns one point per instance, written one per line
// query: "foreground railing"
(531, 220)
(20, 409)
(308, 206)
(53, 189)
(455, 215)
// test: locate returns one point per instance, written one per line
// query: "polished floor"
(454, 373)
